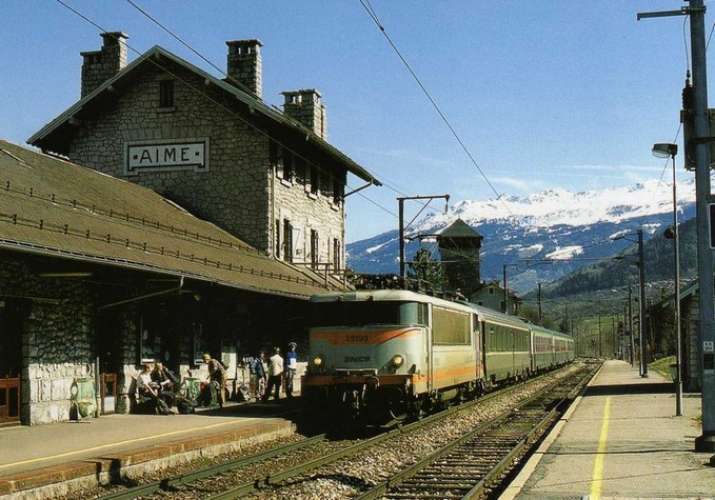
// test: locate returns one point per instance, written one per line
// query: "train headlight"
(397, 360)
(317, 361)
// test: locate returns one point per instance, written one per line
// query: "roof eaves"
(32, 248)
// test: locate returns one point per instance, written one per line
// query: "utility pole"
(538, 299)
(599, 331)
(613, 335)
(506, 294)
(676, 298)
(701, 122)
(402, 228)
(630, 326)
(642, 303)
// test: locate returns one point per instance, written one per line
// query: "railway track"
(472, 466)
(267, 481)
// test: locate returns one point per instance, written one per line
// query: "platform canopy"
(52, 207)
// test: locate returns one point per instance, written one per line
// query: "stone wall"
(293, 201)
(56, 335)
(233, 192)
(238, 191)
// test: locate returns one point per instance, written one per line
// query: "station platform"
(620, 440)
(55, 459)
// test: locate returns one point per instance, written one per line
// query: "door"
(11, 318)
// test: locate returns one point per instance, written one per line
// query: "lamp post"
(641, 301)
(669, 151)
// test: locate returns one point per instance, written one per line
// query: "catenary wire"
(257, 129)
(390, 185)
(373, 15)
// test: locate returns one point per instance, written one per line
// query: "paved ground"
(622, 440)
(27, 448)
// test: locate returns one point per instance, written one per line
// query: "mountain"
(552, 224)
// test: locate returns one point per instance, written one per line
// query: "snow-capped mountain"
(552, 224)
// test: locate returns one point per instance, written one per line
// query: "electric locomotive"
(380, 355)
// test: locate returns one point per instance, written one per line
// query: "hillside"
(548, 225)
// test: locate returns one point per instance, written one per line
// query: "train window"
(450, 327)
(361, 313)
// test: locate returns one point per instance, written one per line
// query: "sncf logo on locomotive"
(357, 359)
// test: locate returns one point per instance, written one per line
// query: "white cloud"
(518, 183)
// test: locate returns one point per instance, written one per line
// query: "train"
(383, 355)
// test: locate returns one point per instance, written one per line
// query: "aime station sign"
(180, 154)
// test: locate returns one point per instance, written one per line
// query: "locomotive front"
(367, 354)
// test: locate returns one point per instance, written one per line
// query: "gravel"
(347, 477)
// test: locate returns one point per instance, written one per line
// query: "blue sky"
(545, 94)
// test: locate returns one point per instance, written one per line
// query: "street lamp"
(642, 304)
(664, 150)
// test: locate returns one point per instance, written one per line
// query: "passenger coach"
(384, 354)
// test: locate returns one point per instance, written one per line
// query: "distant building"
(661, 340)
(491, 295)
(459, 247)
(213, 146)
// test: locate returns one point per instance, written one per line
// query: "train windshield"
(363, 313)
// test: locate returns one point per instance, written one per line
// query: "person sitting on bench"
(149, 390)
(167, 382)
(217, 382)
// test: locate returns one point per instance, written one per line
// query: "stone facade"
(243, 187)
(56, 328)
(234, 190)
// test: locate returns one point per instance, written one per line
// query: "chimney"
(243, 64)
(99, 66)
(307, 107)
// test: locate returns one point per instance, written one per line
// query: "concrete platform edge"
(515, 487)
(54, 481)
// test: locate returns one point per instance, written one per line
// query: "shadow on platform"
(645, 388)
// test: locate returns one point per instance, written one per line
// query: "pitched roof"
(459, 229)
(57, 208)
(254, 104)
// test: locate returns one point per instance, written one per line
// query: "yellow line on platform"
(119, 443)
(597, 480)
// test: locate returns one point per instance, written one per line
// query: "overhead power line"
(373, 15)
(390, 185)
(215, 101)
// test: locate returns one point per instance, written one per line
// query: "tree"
(425, 269)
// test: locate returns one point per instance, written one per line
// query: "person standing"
(258, 376)
(292, 365)
(275, 374)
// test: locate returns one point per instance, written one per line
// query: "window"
(166, 94)
(314, 248)
(326, 186)
(283, 162)
(450, 327)
(278, 238)
(337, 190)
(491, 291)
(362, 313)
(288, 240)
(336, 254)
(299, 169)
(314, 180)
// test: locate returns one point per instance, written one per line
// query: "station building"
(213, 146)
(171, 213)
(100, 272)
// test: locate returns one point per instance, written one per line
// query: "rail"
(469, 466)
(170, 483)
(297, 470)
